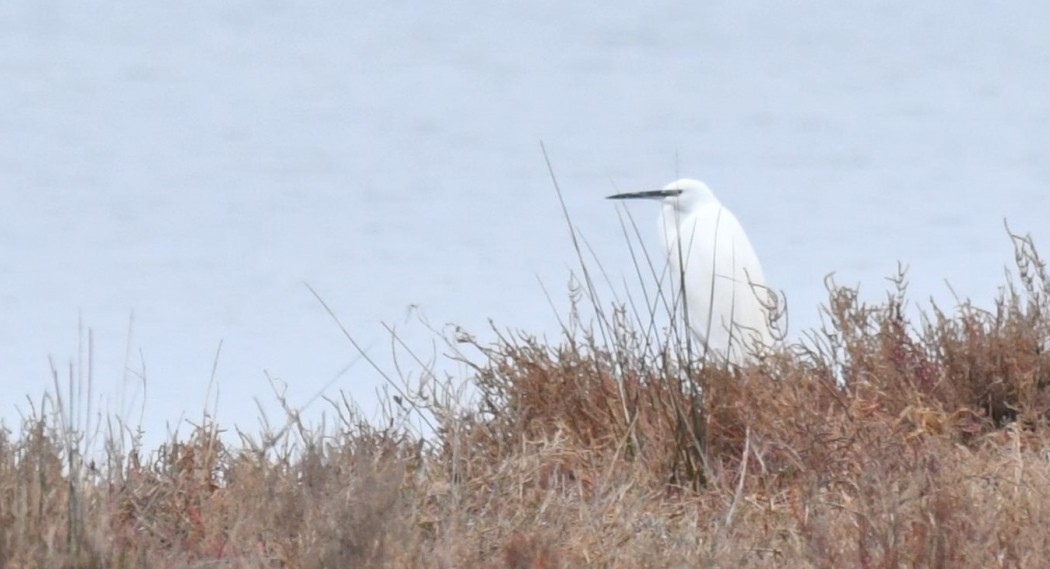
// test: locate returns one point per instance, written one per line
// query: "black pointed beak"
(650, 195)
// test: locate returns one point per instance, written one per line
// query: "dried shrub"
(879, 442)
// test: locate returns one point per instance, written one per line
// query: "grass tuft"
(877, 442)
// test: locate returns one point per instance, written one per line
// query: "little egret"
(726, 295)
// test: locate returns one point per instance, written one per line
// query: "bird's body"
(710, 256)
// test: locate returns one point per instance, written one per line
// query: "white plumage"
(726, 293)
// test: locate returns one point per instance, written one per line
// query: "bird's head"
(684, 195)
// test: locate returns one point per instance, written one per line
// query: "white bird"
(727, 299)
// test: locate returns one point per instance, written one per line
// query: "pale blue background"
(196, 164)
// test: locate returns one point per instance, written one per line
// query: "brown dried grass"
(877, 443)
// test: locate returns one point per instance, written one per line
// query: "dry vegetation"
(878, 443)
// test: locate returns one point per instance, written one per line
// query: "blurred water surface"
(172, 175)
